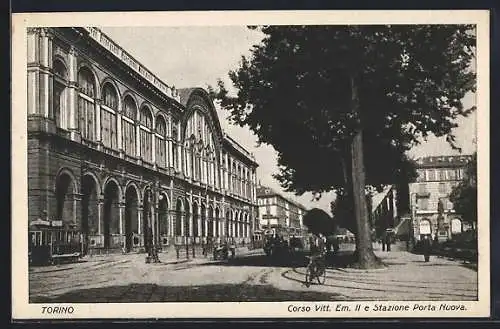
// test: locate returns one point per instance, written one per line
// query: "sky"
(198, 56)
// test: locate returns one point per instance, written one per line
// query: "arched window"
(146, 120)
(160, 147)
(128, 126)
(108, 116)
(86, 108)
(59, 97)
(109, 96)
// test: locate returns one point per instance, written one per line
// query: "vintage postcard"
(212, 164)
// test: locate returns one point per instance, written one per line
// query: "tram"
(258, 239)
(50, 242)
(283, 239)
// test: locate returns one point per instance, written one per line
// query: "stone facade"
(437, 176)
(276, 211)
(117, 155)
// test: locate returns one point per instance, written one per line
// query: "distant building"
(433, 212)
(276, 211)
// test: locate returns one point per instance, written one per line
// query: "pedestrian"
(388, 241)
(383, 240)
(426, 248)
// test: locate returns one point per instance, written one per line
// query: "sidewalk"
(407, 277)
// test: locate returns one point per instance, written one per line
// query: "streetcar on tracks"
(51, 242)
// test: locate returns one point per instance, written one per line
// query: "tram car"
(50, 242)
(258, 239)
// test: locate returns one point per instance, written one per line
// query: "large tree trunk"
(364, 246)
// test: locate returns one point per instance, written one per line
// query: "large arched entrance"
(131, 220)
(163, 219)
(65, 198)
(90, 210)
(147, 223)
(111, 215)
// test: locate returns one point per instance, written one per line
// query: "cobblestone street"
(250, 277)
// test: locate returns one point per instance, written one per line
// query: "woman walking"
(426, 246)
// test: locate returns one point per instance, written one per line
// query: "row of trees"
(342, 105)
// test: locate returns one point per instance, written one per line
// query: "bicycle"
(316, 269)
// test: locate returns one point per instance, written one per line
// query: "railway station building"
(116, 155)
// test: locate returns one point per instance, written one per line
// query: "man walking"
(426, 248)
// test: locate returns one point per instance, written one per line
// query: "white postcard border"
(21, 309)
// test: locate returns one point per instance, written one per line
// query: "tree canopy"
(318, 221)
(341, 105)
(464, 195)
(293, 93)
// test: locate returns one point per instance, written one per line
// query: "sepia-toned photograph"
(315, 168)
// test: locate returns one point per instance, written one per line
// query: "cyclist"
(316, 267)
(318, 250)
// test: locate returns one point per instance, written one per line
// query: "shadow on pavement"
(376, 286)
(136, 293)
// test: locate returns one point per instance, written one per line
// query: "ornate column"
(97, 107)
(45, 78)
(153, 219)
(222, 222)
(33, 70)
(245, 183)
(170, 153)
(140, 210)
(240, 181)
(229, 174)
(184, 160)
(77, 209)
(191, 214)
(183, 223)
(254, 186)
(199, 221)
(179, 157)
(72, 89)
(137, 138)
(214, 223)
(153, 147)
(119, 137)
(121, 213)
(220, 178)
(207, 219)
(100, 203)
